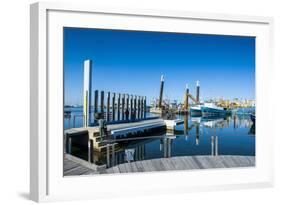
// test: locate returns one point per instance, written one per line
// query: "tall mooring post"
(118, 106)
(144, 114)
(90, 150)
(108, 107)
(197, 91)
(141, 115)
(96, 105)
(139, 107)
(87, 92)
(161, 91)
(102, 103)
(131, 107)
(127, 111)
(186, 103)
(123, 106)
(113, 106)
(127, 102)
(135, 107)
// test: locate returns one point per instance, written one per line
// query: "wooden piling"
(118, 106)
(144, 116)
(186, 101)
(102, 103)
(135, 107)
(161, 91)
(87, 92)
(96, 101)
(127, 107)
(142, 107)
(127, 101)
(140, 99)
(113, 155)
(143, 151)
(90, 150)
(113, 106)
(131, 107)
(108, 107)
(165, 147)
(138, 107)
(69, 145)
(197, 91)
(86, 108)
(123, 106)
(107, 156)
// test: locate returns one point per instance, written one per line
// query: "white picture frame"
(46, 86)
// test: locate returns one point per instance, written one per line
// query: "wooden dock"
(71, 168)
(115, 131)
(171, 124)
(112, 127)
(167, 164)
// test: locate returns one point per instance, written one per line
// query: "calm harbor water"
(233, 135)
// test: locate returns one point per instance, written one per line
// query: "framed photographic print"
(131, 102)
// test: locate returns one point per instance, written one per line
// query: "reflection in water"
(252, 130)
(129, 154)
(235, 122)
(214, 146)
(167, 146)
(196, 136)
(185, 125)
(197, 133)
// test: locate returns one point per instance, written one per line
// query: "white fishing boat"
(210, 109)
(195, 110)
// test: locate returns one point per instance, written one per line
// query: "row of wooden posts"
(134, 106)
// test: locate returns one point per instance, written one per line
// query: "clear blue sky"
(133, 61)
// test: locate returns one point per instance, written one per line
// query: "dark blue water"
(233, 135)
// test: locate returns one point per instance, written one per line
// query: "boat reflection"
(196, 136)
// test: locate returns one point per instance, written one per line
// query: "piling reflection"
(186, 125)
(196, 136)
(214, 146)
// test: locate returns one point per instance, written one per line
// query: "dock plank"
(71, 168)
(139, 166)
(166, 164)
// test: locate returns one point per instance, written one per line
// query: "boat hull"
(209, 112)
(195, 112)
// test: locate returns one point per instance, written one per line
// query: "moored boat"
(210, 109)
(195, 110)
